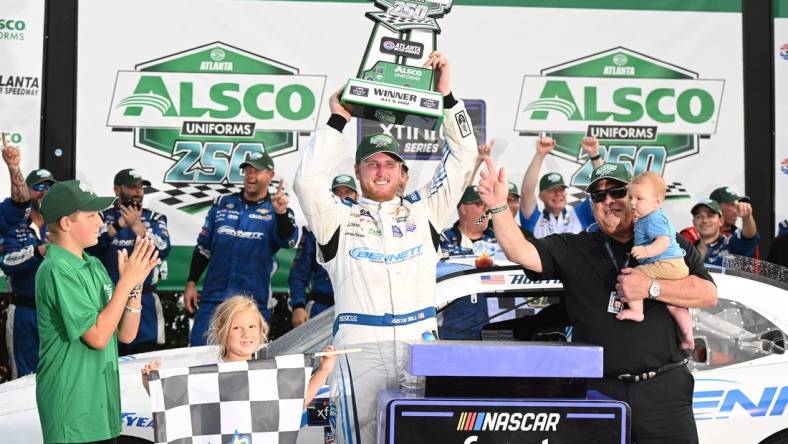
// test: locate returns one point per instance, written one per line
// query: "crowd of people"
(82, 270)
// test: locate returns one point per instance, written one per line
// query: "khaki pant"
(670, 269)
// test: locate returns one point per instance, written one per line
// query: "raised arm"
(12, 158)
(527, 194)
(453, 172)
(494, 190)
(321, 208)
(590, 146)
(485, 149)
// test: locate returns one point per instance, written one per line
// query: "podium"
(502, 392)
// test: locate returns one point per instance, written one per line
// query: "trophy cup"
(393, 91)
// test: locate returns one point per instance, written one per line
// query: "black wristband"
(116, 226)
(337, 122)
(298, 306)
(595, 157)
(449, 101)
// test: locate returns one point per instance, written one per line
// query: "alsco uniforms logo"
(210, 108)
(646, 112)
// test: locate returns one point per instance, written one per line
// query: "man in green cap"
(643, 364)
(307, 273)
(237, 244)
(714, 245)
(554, 216)
(123, 224)
(733, 207)
(381, 253)
(81, 317)
(24, 248)
(463, 318)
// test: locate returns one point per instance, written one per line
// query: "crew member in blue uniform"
(123, 223)
(23, 250)
(237, 244)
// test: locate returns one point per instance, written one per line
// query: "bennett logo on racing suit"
(364, 253)
(224, 229)
(505, 421)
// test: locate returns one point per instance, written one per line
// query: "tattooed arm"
(12, 157)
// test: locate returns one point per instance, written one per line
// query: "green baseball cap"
(470, 195)
(38, 176)
(130, 177)
(377, 143)
(708, 203)
(70, 196)
(548, 181)
(259, 161)
(727, 195)
(513, 189)
(613, 171)
(344, 180)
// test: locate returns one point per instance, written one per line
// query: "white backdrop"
(22, 49)
(491, 49)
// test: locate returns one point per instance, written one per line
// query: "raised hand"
(280, 199)
(11, 154)
(337, 107)
(545, 145)
(743, 209)
(440, 64)
(485, 150)
(493, 187)
(590, 146)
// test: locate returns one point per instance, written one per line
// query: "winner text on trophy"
(387, 88)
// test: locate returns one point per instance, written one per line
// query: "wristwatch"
(653, 290)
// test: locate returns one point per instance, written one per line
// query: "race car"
(739, 363)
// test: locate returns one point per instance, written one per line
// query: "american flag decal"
(495, 279)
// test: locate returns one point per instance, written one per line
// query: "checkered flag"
(399, 24)
(249, 402)
(676, 190)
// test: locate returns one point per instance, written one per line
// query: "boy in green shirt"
(81, 317)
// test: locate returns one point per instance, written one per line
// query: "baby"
(656, 248)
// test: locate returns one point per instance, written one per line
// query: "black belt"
(22, 301)
(651, 374)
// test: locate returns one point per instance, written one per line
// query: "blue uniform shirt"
(652, 226)
(239, 239)
(106, 250)
(464, 318)
(730, 244)
(306, 272)
(20, 257)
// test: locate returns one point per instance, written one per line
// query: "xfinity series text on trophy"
(391, 86)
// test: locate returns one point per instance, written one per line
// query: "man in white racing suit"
(380, 253)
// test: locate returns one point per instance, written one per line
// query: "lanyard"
(612, 256)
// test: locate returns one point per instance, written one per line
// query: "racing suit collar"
(387, 204)
(253, 202)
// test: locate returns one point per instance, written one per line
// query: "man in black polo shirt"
(643, 364)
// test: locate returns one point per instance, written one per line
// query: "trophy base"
(392, 104)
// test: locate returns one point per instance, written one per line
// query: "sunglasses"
(41, 187)
(615, 193)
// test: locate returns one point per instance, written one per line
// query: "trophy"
(392, 91)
